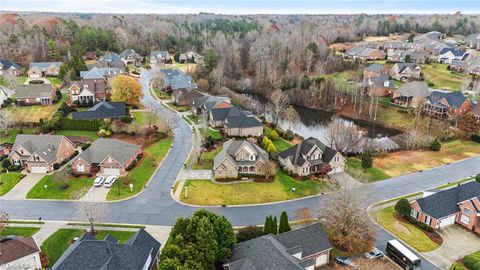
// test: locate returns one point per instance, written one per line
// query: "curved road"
(156, 207)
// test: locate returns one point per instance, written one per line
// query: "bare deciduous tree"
(305, 215)
(4, 121)
(343, 136)
(279, 102)
(348, 224)
(3, 220)
(87, 210)
(292, 116)
(270, 168)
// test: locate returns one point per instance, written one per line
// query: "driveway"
(457, 242)
(198, 174)
(96, 194)
(20, 190)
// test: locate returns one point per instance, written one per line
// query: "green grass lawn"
(58, 242)
(193, 118)
(22, 79)
(178, 108)
(78, 133)
(77, 187)
(281, 144)
(161, 95)
(405, 231)
(55, 81)
(140, 175)
(143, 117)
(33, 114)
(441, 77)
(12, 134)
(8, 181)
(215, 134)
(206, 160)
(205, 192)
(354, 168)
(19, 231)
(121, 236)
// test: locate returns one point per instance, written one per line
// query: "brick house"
(38, 153)
(379, 85)
(459, 205)
(209, 102)
(305, 248)
(185, 97)
(107, 157)
(374, 70)
(35, 94)
(447, 104)
(8, 67)
(309, 156)
(239, 157)
(42, 69)
(236, 122)
(411, 94)
(405, 71)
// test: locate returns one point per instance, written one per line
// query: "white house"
(451, 55)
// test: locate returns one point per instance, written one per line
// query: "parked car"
(344, 261)
(110, 181)
(374, 254)
(99, 181)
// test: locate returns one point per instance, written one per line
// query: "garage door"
(38, 169)
(321, 260)
(447, 221)
(111, 171)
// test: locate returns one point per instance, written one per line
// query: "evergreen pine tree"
(284, 225)
(268, 225)
(274, 226)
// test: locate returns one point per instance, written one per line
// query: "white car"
(99, 181)
(374, 254)
(110, 181)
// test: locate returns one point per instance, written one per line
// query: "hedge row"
(87, 125)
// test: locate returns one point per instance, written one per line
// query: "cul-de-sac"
(248, 135)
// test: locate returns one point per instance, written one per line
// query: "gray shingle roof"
(88, 253)
(7, 91)
(244, 119)
(102, 148)
(44, 65)
(46, 146)
(275, 252)
(103, 110)
(110, 57)
(414, 89)
(444, 203)
(455, 52)
(454, 99)
(9, 63)
(34, 90)
(93, 73)
(163, 54)
(295, 152)
(232, 146)
(375, 67)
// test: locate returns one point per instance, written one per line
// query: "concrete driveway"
(20, 190)
(96, 194)
(457, 242)
(198, 174)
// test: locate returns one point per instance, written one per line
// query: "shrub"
(6, 163)
(126, 119)
(472, 261)
(289, 135)
(476, 138)
(271, 148)
(56, 166)
(428, 228)
(76, 153)
(477, 178)
(422, 225)
(403, 207)
(435, 145)
(85, 146)
(412, 220)
(367, 160)
(274, 135)
(249, 232)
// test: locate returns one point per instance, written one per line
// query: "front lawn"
(206, 160)
(77, 187)
(33, 114)
(143, 117)
(19, 231)
(92, 135)
(471, 261)
(281, 144)
(140, 175)
(354, 168)
(441, 77)
(178, 108)
(55, 81)
(206, 192)
(403, 162)
(409, 233)
(161, 94)
(193, 118)
(8, 181)
(12, 134)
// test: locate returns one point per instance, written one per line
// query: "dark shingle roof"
(9, 63)
(414, 89)
(444, 203)
(102, 148)
(454, 99)
(17, 248)
(295, 152)
(34, 90)
(87, 253)
(103, 110)
(455, 52)
(231, 147)
(375, 67)
(244, 119)
(275, 252)
(46, 146)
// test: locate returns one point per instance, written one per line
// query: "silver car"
(99, 181)
(374, 254)
(110, 181)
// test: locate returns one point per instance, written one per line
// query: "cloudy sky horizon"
(246, 6)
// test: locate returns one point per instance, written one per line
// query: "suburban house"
(459, 205)
(469, 65)
(310, 157)
(447, 104)
(106, 157)
(184, 97)
(131, 57)
(110, 60)
(306, 248)
(140, 252)
(176, 79)
(35, 94)
(5, 94)
(190, 57)
(159, 57)
(8, 67)
(106, 72)
(239, 157)
(473, 41)
(81, 93)
(365, 53)
(102, 110)
(93, 85)
(38, 153)
(451, 55)
(42, 69)
(19, 253)
(411, 94)
(379, 85)
(91, 55)
(208, 102)
(405, 71)
(374, 70)
(236, 122)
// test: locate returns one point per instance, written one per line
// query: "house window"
(465, 219)
(414, 213)
(428, 220)
(467, 211)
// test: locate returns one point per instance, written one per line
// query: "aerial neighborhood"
(212, 141)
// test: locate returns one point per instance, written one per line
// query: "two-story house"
(93, 86)
(310, 156)
(374, 70)
(8, 67)
(131, 57)
(38, 153)
(42, 69)
(239, 157)
(447, 104)
(451, 55)
(459, 205)
(159, 57)
(236, 122)
(405, 71)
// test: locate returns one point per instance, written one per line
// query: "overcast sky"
(245, 6)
